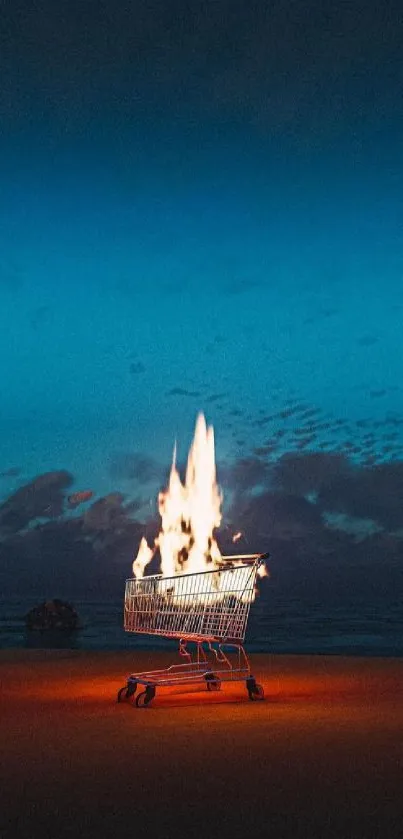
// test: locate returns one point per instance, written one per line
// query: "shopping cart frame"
(218, 654)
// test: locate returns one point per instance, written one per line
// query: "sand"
(322, 756)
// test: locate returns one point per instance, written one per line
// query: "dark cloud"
(11, 472)
(137, 367)
(375, 492)
(181, 391)
(305, 442)
(310, 472)
(267, 450)
(244, 475)
(306, 429)
(312, 555)
(278, 507)
(260, 422)
(332, 481)
(310, 560)
(271, 515)
(215, 397)
(43, 497)
(76, 557)
(134, 466)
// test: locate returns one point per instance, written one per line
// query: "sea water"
(286, 626)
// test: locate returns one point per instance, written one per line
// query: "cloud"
(43, 497)
(181, 391)
(326, 522)
(368, 493)
(137, 367)
(67, 556)
(244, 475)
(271, 515)
(334, 529)
(134, 466)
(302, 474)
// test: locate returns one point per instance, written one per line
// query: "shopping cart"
(211, 610)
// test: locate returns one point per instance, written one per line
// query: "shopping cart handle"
(264, 556)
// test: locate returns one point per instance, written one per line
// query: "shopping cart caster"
(145, 697)
(128, 691)
(213, 682)
(255, 691)
(122, 694)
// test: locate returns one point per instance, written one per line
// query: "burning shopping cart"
(209, 609)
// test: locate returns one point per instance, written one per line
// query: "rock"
(53, 614)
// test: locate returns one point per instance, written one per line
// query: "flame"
(262, 571)
(143, 558)
(189, 511)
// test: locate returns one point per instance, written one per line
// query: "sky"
(201, 210)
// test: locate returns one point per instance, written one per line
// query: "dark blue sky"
(201, 209)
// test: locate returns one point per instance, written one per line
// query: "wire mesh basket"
(211, 605)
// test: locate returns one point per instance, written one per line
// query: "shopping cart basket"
(211, 609)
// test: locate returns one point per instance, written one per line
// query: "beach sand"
(322, 756)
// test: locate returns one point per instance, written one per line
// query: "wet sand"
(322, 756)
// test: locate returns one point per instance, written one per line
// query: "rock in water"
(53, 614)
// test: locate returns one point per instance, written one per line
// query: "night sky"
(201, 210)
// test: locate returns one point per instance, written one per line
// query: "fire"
(262, 571)
(143, 558)
(190, 512)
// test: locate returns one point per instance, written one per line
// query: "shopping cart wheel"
(122, 694)
(145, 697)
(128, 691)
(213, 682)
(255, 691)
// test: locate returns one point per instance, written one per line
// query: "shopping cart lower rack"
(211, 610)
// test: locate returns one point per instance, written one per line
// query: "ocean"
(281, 625)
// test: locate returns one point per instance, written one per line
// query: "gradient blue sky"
(204, 196)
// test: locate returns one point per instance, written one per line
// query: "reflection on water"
(54, 639)
(276, 625)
